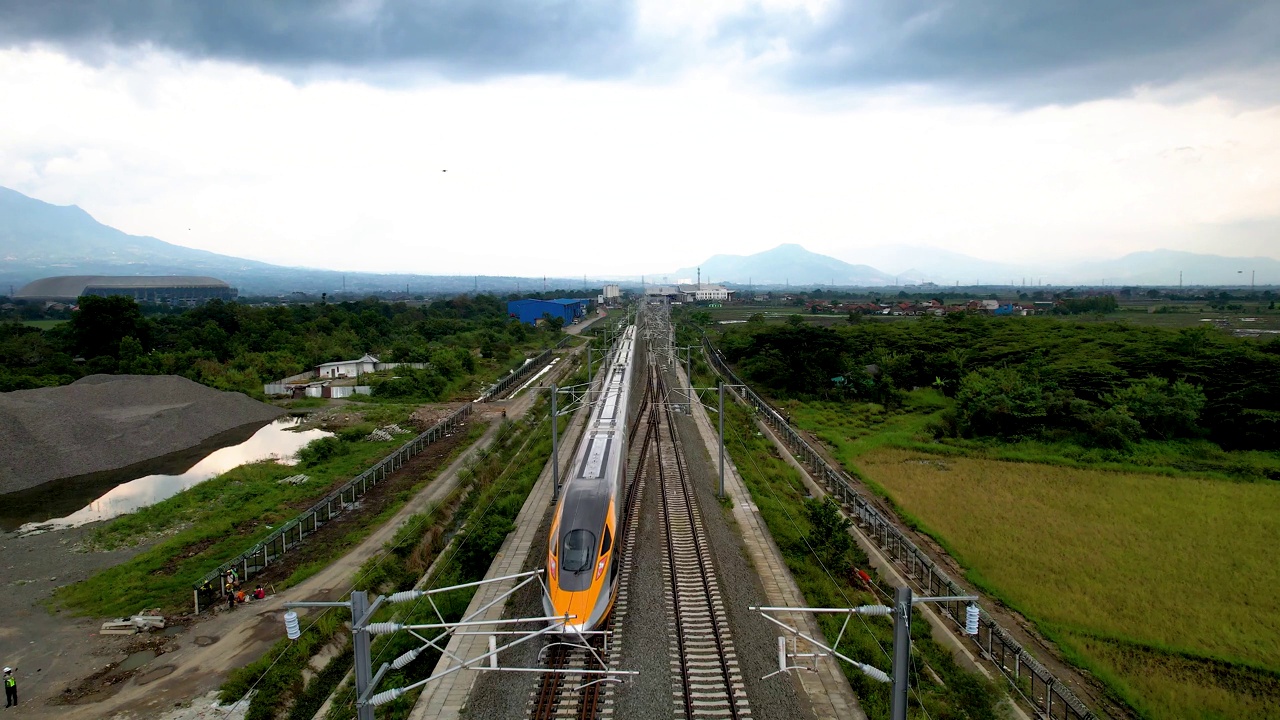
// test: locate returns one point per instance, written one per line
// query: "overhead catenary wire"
(804, 536)
(454, 549)
(381, 557)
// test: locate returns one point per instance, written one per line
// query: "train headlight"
(551, 566)
(600, 567)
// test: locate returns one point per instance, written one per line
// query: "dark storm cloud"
(1023, 51)
(459, 36)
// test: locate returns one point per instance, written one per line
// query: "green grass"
(43, 324)
(778, 492)
(478, 517)
(1125, 570)
(852, 429)
(216, 520)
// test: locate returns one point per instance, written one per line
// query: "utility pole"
(361, 614)
(720, 385)
(555, 448)
(901, 612)
(901, 653)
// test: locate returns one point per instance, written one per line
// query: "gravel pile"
(104, 422)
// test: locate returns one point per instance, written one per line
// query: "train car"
(582, 550)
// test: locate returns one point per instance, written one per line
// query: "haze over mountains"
(38, 239)
(791, 264)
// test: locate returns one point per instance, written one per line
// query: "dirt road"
(197, 660)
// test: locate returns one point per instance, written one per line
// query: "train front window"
(577, 551)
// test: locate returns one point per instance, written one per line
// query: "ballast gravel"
(105, 422)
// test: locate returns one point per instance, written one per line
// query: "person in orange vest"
(10, 689)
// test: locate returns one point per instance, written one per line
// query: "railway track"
(704, 666)
(565, 694)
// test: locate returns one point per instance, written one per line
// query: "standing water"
(62, 503)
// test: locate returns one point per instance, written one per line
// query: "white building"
(694, 293)
(348, 368)
(612, 292)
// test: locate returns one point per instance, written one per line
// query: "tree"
(830, 539)
(102, 322)
(1000, 401)
(1163, 410)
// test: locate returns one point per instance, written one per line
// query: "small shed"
(348, 368)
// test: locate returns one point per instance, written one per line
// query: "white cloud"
(548, 175)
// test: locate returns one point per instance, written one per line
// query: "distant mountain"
(53, 239)
(786, 264)
(1153, 267)
(911, 263)
(1163, 267)
(38, 240)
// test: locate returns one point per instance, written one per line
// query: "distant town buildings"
(161, 289)
(691, 292)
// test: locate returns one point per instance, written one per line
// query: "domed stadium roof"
(70, 287)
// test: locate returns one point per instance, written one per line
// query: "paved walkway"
(829, 692)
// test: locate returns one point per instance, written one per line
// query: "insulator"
(971, 619)
(291, 628)
(382, 628)
(407, 658)
(875, 673)
(404, 595)
(386, 696)
(874, 610)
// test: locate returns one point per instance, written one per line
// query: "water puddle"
(75, 501)
(136, 660)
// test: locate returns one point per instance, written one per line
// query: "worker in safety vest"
(10, 688)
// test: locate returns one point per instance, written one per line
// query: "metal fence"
(1049, 697)
(254, 560)
(496, 390)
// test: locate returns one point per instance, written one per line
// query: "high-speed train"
(583, 548)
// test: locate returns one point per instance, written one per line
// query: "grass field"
(1254, 319)
(43, 324)
(218, 519)
(1163, 586)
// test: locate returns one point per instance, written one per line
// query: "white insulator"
(407, 658)
(404, 595)
(875, 673)
(971, 619)
(291, 628)
(875, 610)
(386, 696)
(382, 628)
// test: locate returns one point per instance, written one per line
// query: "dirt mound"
(103, 422)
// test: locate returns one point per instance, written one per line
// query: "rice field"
(1164, 586)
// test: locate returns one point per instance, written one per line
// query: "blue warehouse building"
(531, 311)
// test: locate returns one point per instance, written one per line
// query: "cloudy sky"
(524, 137)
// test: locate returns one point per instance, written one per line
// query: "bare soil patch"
(328, 540)
(107, 680)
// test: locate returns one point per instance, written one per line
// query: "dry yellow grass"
(1178, 564)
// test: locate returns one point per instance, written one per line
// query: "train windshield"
(577, 551)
